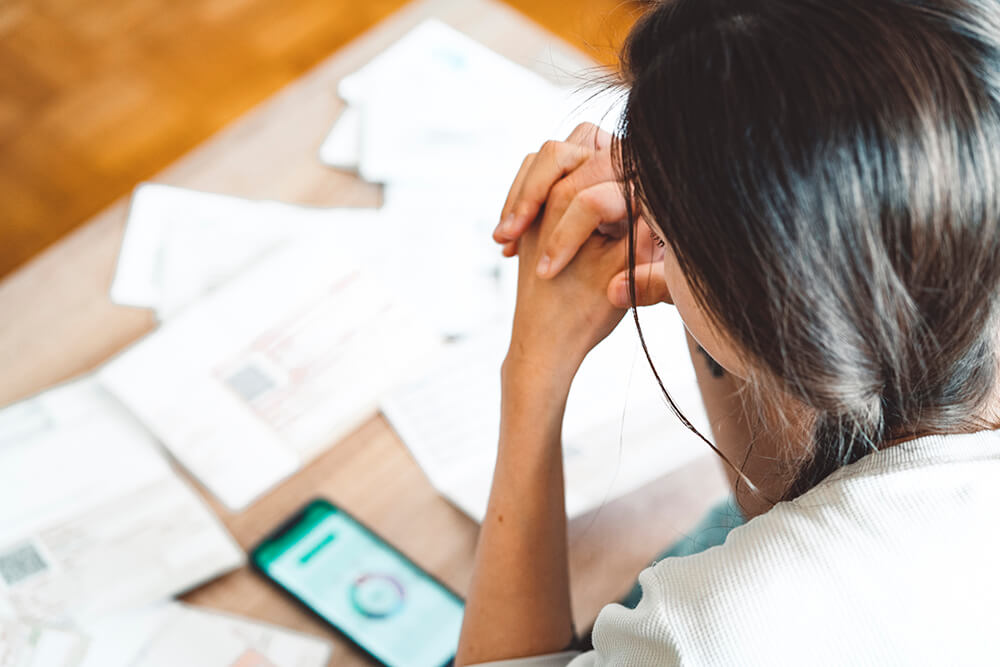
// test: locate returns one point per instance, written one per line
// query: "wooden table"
(57, 322)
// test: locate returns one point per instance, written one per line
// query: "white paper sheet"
(444, 123)
(180, 243)
(25, 644)
(442, 258)
(618, 434)
(264, 373)
(175, 635)
(92, 518)
(342, 147)
(439, 107)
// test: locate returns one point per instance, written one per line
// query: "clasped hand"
(565, 218)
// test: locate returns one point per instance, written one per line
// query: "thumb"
(650, 287)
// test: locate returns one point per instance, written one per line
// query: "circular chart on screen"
(377, 595)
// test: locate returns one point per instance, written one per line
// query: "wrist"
(534, 392)
(533, 374)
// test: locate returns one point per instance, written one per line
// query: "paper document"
(26, 644)
(261, 375)
(444, 123)
(438, 107)
(439, 254)
(92, 518)
(174, 635)
(618, 433)
(342, 147)
(181, 243)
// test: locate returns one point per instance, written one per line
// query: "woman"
(823, 176)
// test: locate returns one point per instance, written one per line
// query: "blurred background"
(97, 95)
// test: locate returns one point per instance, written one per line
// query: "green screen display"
(366, 589)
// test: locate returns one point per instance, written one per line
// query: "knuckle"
(558, 247)
(562, 193)
(556, 238)
(524, 208)
(603, 139)
(591, 200)
(575, 155)
(562, 154)
(582, 131)
(600, 202)
(549, 147)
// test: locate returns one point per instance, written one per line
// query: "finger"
(590, 135)
(650, 287)
(553, 161)
(510, 249)
(598, 168)
(512, 194)
(592, 207)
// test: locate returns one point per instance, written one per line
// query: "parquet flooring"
(97, 95)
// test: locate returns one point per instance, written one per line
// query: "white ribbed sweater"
(890, 561)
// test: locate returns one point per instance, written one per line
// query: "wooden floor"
(97, 95)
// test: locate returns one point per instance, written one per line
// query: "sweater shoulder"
(840, 561)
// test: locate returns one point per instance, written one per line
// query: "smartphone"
(364, 588)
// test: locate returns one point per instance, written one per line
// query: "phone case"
(292, 521)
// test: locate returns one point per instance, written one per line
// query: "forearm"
(519, 601)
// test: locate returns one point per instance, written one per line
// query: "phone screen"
(364, 588)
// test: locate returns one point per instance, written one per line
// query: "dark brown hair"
(826, 173)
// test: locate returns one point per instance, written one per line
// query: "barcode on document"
(21, 562)
(250, 382)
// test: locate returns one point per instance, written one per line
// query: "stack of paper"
(30, 644)
(167, 634)
(444, 123)
(92, 517)
(180, 244)
(96, 530)
(618, 434)
(437, 107)
(262, 374)
(172, 634)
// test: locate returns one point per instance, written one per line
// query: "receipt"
(173, 634)
(261, 375)
(617, 433)
(92, 517)
(180, 244)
